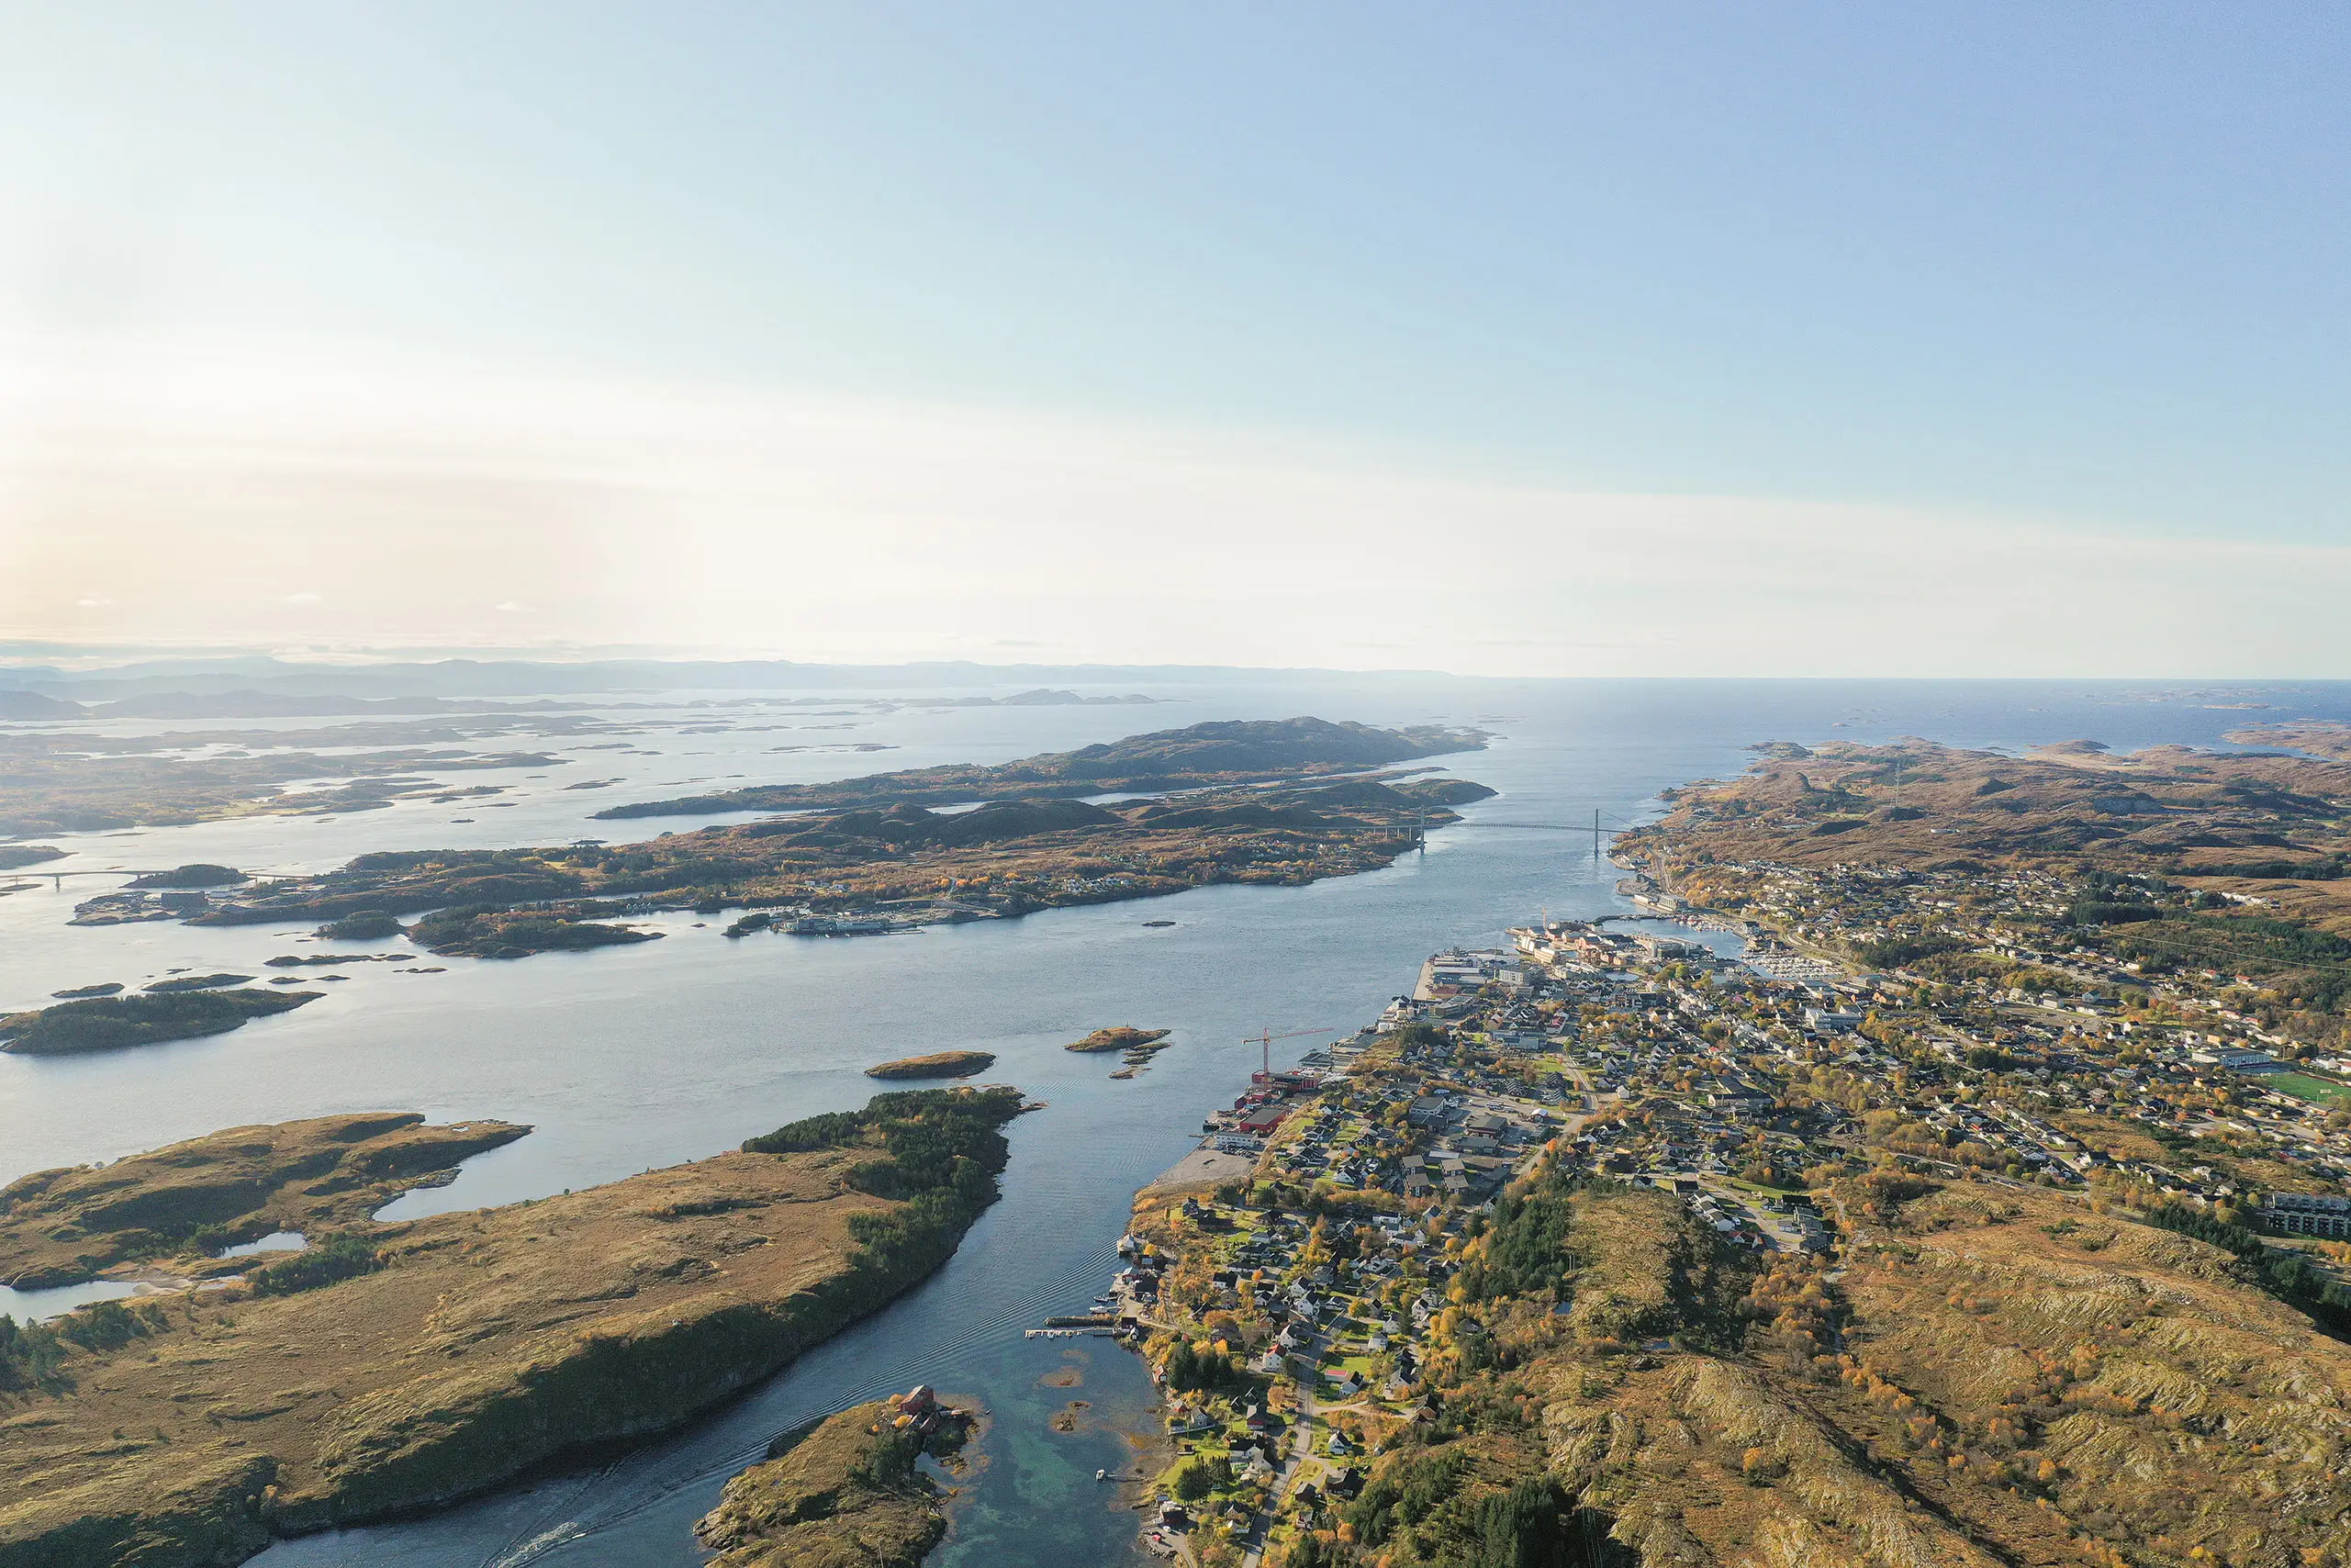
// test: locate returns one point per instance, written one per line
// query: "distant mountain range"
(247, 702)
(457, 679)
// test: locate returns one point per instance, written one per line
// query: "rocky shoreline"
(459, 1350)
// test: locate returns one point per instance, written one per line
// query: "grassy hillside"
(1993, 1377)
(843, 1495)
(61, 1227)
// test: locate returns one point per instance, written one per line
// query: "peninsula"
(59, 1228)
(398, 1367)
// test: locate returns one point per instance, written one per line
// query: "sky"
(1977, 339)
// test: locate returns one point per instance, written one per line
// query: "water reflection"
(35, 1306)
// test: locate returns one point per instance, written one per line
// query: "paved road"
(1293, 1464)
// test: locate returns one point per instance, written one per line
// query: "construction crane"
(1267, 1040)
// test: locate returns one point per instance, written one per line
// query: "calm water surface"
(645, 1056)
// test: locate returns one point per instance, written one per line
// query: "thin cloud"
(726, 521)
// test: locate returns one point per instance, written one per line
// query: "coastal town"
(1775, 1056)
(1874, 1183)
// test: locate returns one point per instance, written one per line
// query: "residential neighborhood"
(1299, 1301)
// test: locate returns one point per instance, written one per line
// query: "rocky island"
(430, 1360)
(201, 875)
(216, 981)
(1137, 1047)
(843, 1494)
(938, 1064)
(1119, 1037)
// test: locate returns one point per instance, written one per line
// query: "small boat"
(1102, 1474)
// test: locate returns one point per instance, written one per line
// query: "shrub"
(337, 1259)
(888, 1459)
(1188, 1369)
(2284, 1274)
(29, 1354)
(102, 1326)
(1404, 1494)
(1193, 1481)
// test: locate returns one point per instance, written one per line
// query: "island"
(392, 1367)
(78, 781)
(1119, 1037)
(16, 856)
(61, 781)
(200, 874)
(476, 931)
(938, 1064)
(364, 925)
(1223, 752)
(150, 1018)
(844, 1493)
(195, 982)
(889, 861)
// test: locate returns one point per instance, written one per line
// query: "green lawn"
(2307, 1086)
(1745, 1185)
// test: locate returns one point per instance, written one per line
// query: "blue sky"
(2075, 270)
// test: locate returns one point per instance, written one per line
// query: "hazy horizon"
(1965, 341)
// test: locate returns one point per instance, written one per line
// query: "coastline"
(1749, 1286)
(661, 1300)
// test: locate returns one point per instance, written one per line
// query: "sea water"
(630, 1058)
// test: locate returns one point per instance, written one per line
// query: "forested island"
(395, 1367)
(104, 1021)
